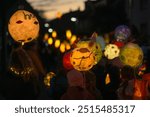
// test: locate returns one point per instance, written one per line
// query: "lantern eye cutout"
(82, 59)
(131, 54)
(111, 51)
(19, 22)
(23, 26)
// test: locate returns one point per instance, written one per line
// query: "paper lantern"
(122, 32)
(57, 43)
(93, 47)
(66, 61)
(82, 59)
(68, 34)
(119, 44)
(62, 47)
(50, 41)
(111, 51)
(48, 77)
(131, 54)
(23, 26)
(101, 41)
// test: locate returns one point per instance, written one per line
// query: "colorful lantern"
(82, 59)
(23, 26)
(111, 51)
(93, 47)
(101, 41)
(66, 61)
(122, 32)
(131, 54)
(119, 44)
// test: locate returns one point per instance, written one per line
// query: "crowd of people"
(105, 81)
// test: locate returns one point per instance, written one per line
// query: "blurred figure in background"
(91, 85)
(77, 87)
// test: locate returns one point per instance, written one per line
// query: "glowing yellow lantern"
(93, 47)
(68, 34)
(48, 77)
(54, 34)
(23, 26)
(73, 39)
(59, 15)
(57, 43)
(131, 54)
(68, 47)
(46, 37)
(50, 41)
(62, 47)
(111, 51)
(82, 59)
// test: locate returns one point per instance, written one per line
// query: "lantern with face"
(94, 47)
(111, 51)
(131, 54)
(23, 26)
(82, 59)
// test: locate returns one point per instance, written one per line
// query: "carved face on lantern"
(131, 54)
(93, 47)
(111, 51)
(82, 59)
(23, 26)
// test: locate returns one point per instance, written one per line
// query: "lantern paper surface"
(111, 51)
(82, 59)
(23, 26)
(122, 32)
(93, 47)
(66, 61)
(131, 54)
(101, 41)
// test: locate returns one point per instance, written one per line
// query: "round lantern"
(66, 61)
(82, 59)
(111, 51)
(122, 32)
(131, 54)
(23, 26)
(93, 47)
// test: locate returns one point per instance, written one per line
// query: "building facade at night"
(138, 15)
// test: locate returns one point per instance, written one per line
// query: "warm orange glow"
(68, 34)
(57, 43)
(46, 37)
(73, 39)
(107, 80)
(59, 15)
(54, 34)
(68, 47)
(62, 47)
(50, 41)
